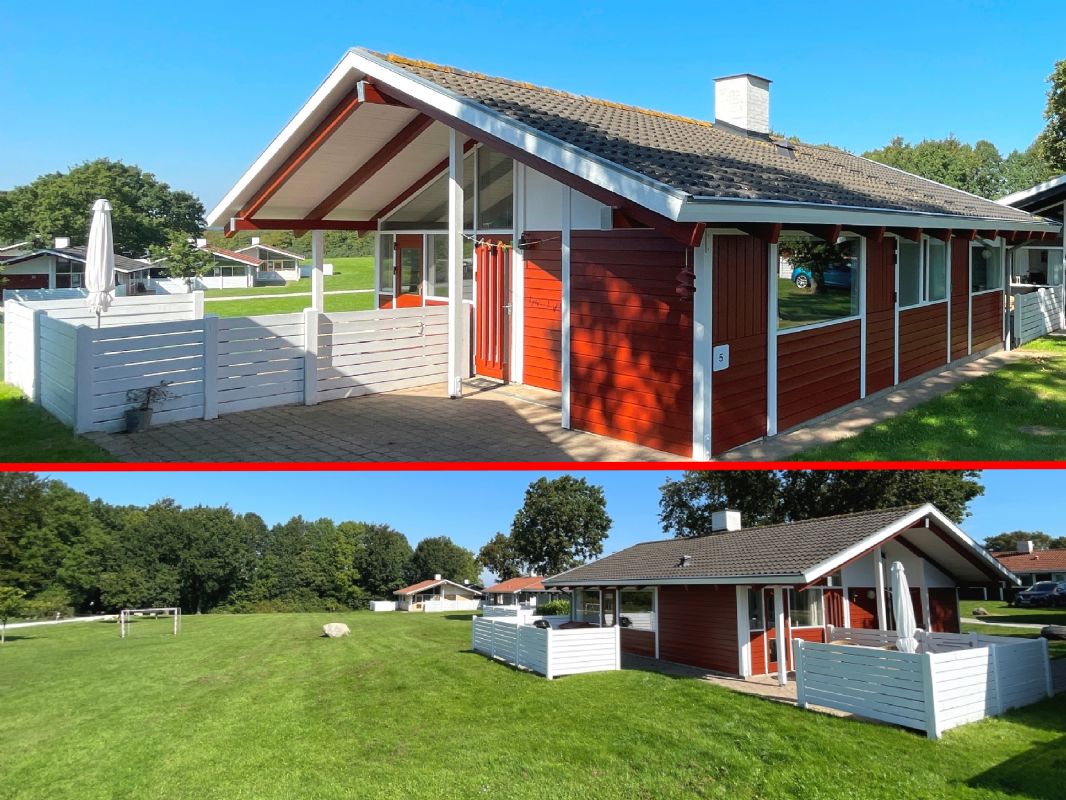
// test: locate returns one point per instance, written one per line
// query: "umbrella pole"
(97, 320)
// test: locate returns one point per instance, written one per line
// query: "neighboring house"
(1032, 565)
(628, 259)
(523, 592)
(232, 270)
(733, 600)
(439, 594)
(58, 267)
(276, 264)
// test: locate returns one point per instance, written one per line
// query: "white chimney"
(62, 242)
(436, 577)
(255, 240)
(1025, 545)
(201, 242)
(725, 520)
(743, 101)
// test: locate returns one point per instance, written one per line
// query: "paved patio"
(492, 422)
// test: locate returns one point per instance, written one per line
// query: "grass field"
(1001, 612)
(263, 707)
(797, 306)
(348, 273)
(1016, 413)
(254, 306)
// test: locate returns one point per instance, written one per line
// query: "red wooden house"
(733, 600)
(644, 265)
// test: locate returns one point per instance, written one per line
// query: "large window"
(756, 620)
(909, 256)
(437, 266)
(69, 274)
(805, 608)
(936, 273)
(986, 266)
(817, 281)
(495, 195)
(587, 606)
(1038, 266)
(923, 272)
(638, 606)
(387, 243)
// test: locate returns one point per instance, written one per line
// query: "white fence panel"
(1036, 314)
(21, 334)
(548, 651)
(585, 650)
(533, 648)
(1023, 673)
(123, 311)
(260, 362)
(57, 368)
(366, 352)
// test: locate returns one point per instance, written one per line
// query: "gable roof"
(233, 255)
(794, 552)
(1037, 561)
(1044, 198)
(278, 250)
(122, 263)
(414, 588)
(515, 585)
(683, 169)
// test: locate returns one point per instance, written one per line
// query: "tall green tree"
(561, 524)
(1053, 139)
(145, 211)
(181, 259)
(1008, 542)
(686, 504)
(439, 555)
(11, 600)
(498, 556)
(382, 560)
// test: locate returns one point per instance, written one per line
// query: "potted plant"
(139, 417)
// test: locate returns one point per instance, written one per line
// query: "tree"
(561, 524)
(1008, 542)
(765, 497)
(439, 555)
(1053, 140)
(10, 606)
(144, 211)
(181, 259)
(20, 509)
(498, 556)
(686, 505)
(382, 560)
(816, 255)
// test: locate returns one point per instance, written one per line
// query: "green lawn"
(1001, 612)
(797, 306)
(1056, 648)
(29, 433)
(1016, 413)
(348, 273)
(263, 707)
(254, 306)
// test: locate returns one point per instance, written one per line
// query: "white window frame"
(923, 272)
(858, 315)
(996, 244)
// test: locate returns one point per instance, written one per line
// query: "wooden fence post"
(993, 663)
(932, 729)
(35, 356)
(198, 305)
(797, 665)
(617, 647)
(1049, 687)
(83, 379)
(492, 638)
(549, 673)
(210, 326)
(311, 318)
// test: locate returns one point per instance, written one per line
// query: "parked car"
(835, 277)
(1044, 593)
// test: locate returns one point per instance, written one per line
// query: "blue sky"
(193, 91)
(471, 506)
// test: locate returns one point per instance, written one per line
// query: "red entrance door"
(407, 272)
(493, 307)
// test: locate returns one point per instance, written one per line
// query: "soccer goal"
(126, 614)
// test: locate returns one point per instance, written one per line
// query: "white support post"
(518, 283)
(617, 642)
(797, 663)
(895, 319)
(565, 223)
(35, 355)
(879, 583)
(743, 632)
(932, 727)
(318, 256)
(771, 345)
(549, 673)
(210, 324)
(782, 651)
(993, 657)
(948, 249)
(1049, 687)
(655, 616)
(456, 357)
(197, 305)
(492, 638)
(83, 379)
(862, 316)
(311, 319)
(702, 374)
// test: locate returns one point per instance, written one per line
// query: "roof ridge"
(403, 61)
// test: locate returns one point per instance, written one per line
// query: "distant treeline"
(72, 554)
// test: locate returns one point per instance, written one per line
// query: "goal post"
(126, 614)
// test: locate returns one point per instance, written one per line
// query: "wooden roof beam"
(943, 234)
(827, 233)
(988, 234)
(910, 234)
(873, 233)
(769, 232)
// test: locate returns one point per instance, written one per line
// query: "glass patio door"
(408, 270)
(608, 603)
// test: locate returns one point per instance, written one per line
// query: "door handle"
(507, 307)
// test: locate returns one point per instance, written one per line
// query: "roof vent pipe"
(743, 102)
(725, 520)
(436, 577)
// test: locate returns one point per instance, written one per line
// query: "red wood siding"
(987, 321)
(37, 280)
(542, 309)
(817, 370)
(862, 607)
(698, 626)
(630, 339)
(923, 339)
(758, 653)
(944, 611)
(738, 394)
(880, 314)
(640, 643)
(960, 294)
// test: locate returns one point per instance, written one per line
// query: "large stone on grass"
(334, 630)
(1054, 632)
(980, 612)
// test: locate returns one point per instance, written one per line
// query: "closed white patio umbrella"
(903, 609)
(100, 260)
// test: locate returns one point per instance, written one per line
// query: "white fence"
(548, 651)
(1036, 314)
(961, 682)
(441, 605)
(54, 353)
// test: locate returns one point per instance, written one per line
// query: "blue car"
(835, 277)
